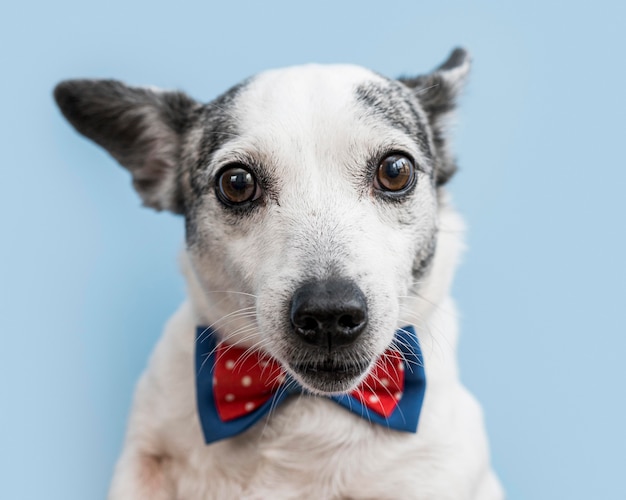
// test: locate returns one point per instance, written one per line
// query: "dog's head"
(310, 196)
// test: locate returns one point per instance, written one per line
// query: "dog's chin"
(329, 377)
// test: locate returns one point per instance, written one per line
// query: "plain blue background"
(88, 278)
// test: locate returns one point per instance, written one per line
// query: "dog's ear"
(141, 128)
(438, 92)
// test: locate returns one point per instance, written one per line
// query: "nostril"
(307, 323)
(349, 321)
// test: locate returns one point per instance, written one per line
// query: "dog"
(317, 228)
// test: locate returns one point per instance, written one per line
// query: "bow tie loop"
(242, 381)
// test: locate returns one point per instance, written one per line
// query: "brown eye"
(395, 173)
(236, 185)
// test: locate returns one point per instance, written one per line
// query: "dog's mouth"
(331, 368)
(330, 375)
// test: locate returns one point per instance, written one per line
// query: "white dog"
(317, 230)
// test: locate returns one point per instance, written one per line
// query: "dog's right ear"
(141, 128)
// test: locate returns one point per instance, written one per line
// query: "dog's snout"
(329, 313)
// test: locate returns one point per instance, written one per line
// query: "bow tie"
(236, 387)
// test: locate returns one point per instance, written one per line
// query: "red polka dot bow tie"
(236, 387)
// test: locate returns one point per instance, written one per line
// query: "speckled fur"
(313, 136)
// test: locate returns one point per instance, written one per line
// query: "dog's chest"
(308, 441)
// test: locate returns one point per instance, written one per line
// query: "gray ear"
(438, 92)
(142, 129)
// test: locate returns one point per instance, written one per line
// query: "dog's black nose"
(329, 313)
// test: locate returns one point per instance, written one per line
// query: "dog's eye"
(236, 185)
(395, 173)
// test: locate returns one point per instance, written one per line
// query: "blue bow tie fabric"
(235, 388)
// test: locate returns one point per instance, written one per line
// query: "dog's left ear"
(438, 92)
(141, 128)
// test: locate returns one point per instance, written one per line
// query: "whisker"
(438, 307)
(363, 407)
(426, 89)
(251, 351)
(228, 347)
(234, 314)
(274, 405)
(224, 110)
(236, 292)
(391, 395)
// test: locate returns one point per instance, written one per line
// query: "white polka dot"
(398, 396)
(214, 381)
(385, 381)
(280, 379)
(373, 398)
(264, 364)
(229, 397)
(249, 406)
(246, 381)
(401, 366)
(230, 364)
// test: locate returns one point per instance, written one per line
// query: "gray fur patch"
(219, 126)
(216, 127)
(437, 93)
(394, 104)
(424, 258)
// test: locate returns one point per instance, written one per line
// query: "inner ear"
(438, 91)
(143, 129)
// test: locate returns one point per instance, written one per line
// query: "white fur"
(310, 447)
